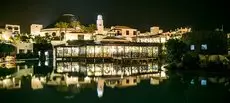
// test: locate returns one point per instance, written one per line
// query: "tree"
(62, 25)
(6, 49)
(91, 28)
(83, 29)
(175, 49)
(40, 40)
(215, 41)
(75, 24)
(191, 60)
(47, 37)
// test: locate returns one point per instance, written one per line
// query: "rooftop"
(122, 27)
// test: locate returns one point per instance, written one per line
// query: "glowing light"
(203, 82)
(46, 53)
(39, 63)
(87, 79)
(39, 53)
(192, 81)
(100, 88)
(46, 63)
(99, 93)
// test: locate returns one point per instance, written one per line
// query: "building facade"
(24, 48)
(124, 31)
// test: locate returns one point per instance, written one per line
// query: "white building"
(8, 31)
(155, 30)
(154, 36)
(15, 29)
(24, 47)
(228, 35)
(124, 31)
(35, 29)
(153, 39)
(69, 33)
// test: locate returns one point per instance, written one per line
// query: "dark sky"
(140, 14)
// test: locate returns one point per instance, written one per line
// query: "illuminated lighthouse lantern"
(100, 25)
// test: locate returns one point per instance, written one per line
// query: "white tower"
(35, 29)
(100, 25)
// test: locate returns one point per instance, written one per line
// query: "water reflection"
(72, 78)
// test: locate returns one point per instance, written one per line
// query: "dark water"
(118, 83)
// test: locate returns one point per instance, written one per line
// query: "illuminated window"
(192, 47)
(204, 47)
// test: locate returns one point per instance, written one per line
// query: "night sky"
(140, 14)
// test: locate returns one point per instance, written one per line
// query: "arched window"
(53, 34)
(62, 35)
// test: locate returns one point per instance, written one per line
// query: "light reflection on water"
(80, 74)
(77, 77)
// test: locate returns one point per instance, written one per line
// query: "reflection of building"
(105, 69)
(10, 83)
(100, 87)
(121, 82)
(38, 82)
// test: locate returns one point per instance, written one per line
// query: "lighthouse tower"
(100, 25)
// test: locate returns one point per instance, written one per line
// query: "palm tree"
(47, 37)
(75, 24)
(62, 25)
(83, 28)
(91, 29)
(6, 49)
